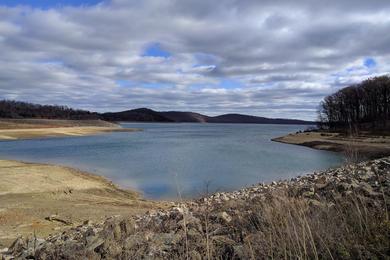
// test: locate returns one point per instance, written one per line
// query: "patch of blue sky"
(366, 67)
(155, 50)
(155, 85)
(230, 84)
(46, 4)
(369, 63)
(124, 82)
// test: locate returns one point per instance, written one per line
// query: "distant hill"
(149, 115)
(238, 118)
(188, 117)
(22, 110)
(136, 115)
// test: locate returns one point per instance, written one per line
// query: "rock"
(320, 186)
(308, 194)
(127, 227)
(58, 219)
(133, 241)
(87, 222)
(6, 257)
(17, 246)
(226, 218)
(315, 203)
(191, 222)
(342, 187)
(94, 242)
(224, 197)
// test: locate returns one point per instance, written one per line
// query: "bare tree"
(364, 106)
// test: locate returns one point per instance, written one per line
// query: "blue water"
(166, 158)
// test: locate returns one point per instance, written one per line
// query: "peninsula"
(16, 129)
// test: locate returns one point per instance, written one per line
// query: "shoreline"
(43, 133)
(360, 146)
(44, 199)
(25, 129)
(272, 208)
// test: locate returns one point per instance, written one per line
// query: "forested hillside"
(16, 109)
(363, 106)
(22, 110)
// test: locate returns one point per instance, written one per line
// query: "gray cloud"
(282, 56)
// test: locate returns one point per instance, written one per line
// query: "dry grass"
(287, 228)
(279, 227)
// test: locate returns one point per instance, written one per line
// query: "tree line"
(17, 110)
(365, 105)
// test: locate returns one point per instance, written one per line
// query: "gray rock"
(94, 242)
(226, 218)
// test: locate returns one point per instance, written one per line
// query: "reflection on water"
(166, 157)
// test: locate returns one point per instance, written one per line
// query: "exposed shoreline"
(20, 129)
(328, 205)
(363, 145)
(30, 193)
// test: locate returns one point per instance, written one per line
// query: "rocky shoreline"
(241, 224)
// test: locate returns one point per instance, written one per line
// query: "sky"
(266, 58)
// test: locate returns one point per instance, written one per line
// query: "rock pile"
(203, 227)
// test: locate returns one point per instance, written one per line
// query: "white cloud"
(285, 55)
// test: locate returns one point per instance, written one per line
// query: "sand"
(17, 134)
(367, 145)
(16, 129)
(31, 192)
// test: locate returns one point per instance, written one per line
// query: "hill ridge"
(150, 115)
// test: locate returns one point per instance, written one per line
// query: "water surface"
(166, 158)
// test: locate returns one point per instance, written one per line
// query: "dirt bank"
(46, 199)
(15, 129)
(365, 145)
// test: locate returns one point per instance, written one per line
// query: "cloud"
(268, 58)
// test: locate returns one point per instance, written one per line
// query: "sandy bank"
(16, 134)
(31, 192)
(15, 129)
(370, 146)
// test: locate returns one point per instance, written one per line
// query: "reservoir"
(167, 158)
